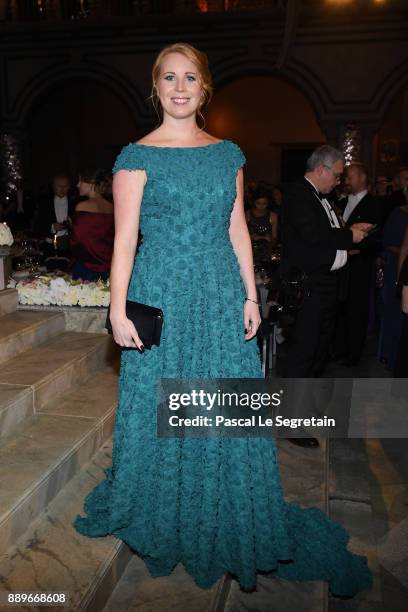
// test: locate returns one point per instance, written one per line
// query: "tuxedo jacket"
(45, 214)
(308, 240)
(368, 210)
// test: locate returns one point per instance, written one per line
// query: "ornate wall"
(349, 65)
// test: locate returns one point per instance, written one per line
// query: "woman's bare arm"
(127, 188)
(241, 243)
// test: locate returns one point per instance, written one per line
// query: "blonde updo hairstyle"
(200, 60)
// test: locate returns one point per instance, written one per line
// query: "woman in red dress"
(93, 227)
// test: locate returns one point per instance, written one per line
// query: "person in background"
(395, 183)
(382, 187)
(277, 197)
(54, 215)
(401, 365)
(262, 224)
(391, 320)
(93, 226)
(352, 322)
(250, 187)
(315, 244)
(399, 195)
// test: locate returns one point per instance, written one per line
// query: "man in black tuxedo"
(360, 206)
(54, 214)
(314, 241)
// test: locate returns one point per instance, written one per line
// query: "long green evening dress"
(214, 504)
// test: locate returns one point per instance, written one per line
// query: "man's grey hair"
(324, 155)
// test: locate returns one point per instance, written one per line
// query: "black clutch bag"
(148, 321)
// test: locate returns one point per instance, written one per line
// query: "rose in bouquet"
(6, 237)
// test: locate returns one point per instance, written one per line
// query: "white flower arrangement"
(6, 237)
(49, 289)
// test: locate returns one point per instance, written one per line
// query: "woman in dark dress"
(392, 318)
(401, 367)
(262, 225)
(93, 227)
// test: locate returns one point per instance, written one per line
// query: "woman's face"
(261, 203)
(85, 189)
(277, 196)
(178, 86)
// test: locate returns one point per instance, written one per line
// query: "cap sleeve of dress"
(130, 157)
(238, 157)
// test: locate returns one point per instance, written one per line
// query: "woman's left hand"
(252, 319)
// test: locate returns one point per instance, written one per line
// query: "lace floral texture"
(215, 504)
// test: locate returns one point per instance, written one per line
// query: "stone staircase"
(58, 395)
(305, 476)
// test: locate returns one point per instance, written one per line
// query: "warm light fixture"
(339, 1)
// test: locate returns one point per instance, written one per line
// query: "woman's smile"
(180, 100)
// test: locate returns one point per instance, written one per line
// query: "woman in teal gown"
(214, 504)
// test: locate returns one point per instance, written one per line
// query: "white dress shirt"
(353, 200)
(61, 213)
(341, 255)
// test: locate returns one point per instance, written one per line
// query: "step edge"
(31, 326)
(49, 377)
(98, 427)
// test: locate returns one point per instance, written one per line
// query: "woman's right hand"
(125, 333)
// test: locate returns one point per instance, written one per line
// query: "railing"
(15, 11)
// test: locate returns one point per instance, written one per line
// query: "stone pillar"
(332, 131)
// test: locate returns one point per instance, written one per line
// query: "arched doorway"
(78, 122)
(271, 120)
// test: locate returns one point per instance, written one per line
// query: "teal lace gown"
(215, 505)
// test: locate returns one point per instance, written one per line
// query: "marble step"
(8, 301)
(138, 591)
(59, 364)
(350, 504)
(53, 556)
(48, 449)
(16, 403)
(304, 474)
(22, 330)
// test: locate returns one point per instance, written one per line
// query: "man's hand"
(360, 231)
